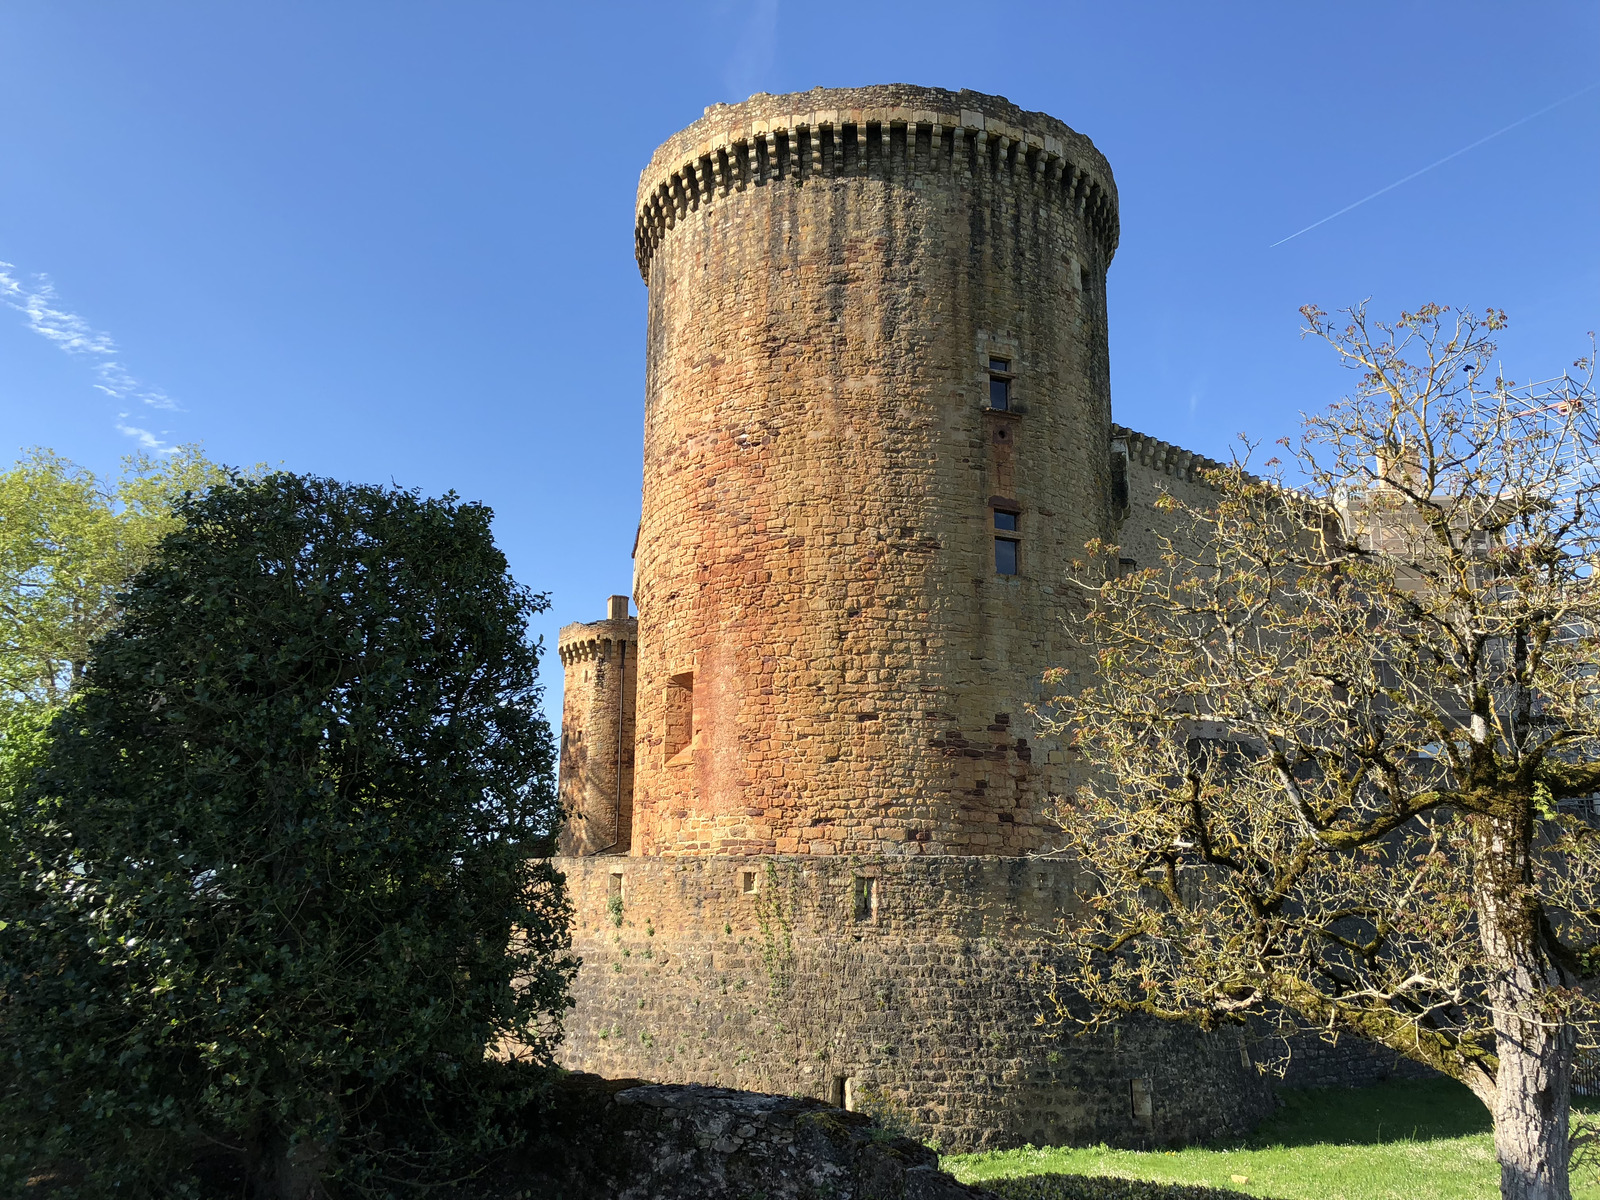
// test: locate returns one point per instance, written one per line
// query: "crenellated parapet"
(1163, 457)
(596, 640)
(886, 132)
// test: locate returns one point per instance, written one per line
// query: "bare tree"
(1343, 739)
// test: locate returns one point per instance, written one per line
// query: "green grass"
(1397, 1141)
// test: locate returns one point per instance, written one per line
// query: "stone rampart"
(905, 986)
(1148, 469)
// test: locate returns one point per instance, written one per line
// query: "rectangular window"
(1000, 384)
(1005, 520)
(747, 882)
(1005, 556)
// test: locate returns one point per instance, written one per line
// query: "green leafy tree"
(69, 542)
(1343, 740)
(279, 899)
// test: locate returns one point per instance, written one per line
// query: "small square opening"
(1005, 520)
(748, 882)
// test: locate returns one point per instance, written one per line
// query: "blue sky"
(394, 241)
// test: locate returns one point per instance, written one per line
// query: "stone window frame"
(995, 352)
(1010, 507)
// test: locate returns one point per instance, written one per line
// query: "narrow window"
(836, 1092)
(866, 897)
(747, 883)
(614, 885)
(680, 714)
(1000, 384)
(1005, 556)
(1142, 1102)
(1119, 476)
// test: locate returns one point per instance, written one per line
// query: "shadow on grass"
(1397, 1111)
(1101, 1187)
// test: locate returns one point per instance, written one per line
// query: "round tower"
(877, 433)
(599, 660)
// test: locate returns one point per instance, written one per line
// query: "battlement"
(884, 131)
(1163, 457)
(580, 641)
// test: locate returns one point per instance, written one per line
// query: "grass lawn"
(1395, 1141)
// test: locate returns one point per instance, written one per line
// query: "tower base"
(904, 986)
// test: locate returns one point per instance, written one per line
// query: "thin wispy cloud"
(144, 437)
(1488, 137)
(35, 298)
(753, 48)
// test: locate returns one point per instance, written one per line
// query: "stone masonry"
(600, 662)
(830, 277)
(908, 986)
(877, 436)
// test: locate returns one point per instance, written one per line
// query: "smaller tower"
(597, 732)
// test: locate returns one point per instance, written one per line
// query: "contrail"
(1486, 138)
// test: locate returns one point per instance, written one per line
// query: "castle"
(808, 825)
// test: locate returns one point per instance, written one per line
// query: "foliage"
(1340, 738)
(1401, 1140)
(276, 897)
(1100, 1187)
(69, 542)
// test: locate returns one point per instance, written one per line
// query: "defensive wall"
(909, 985)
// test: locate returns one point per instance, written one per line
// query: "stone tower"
(877, 433)
(877, 428)
(600, 664)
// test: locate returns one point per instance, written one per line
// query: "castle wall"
(1154, 468)
(918, 999)
(831, 661)
(599, 662)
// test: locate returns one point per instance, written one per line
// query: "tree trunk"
(281, 1167)
(1534, 1042)
(1533, 1094)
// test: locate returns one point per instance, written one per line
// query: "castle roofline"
(1164, 457)
(716, 154)
(589, 639)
